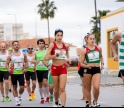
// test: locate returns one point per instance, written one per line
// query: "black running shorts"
(42, 75)
(92, 71)
(17, 78)
(81, 72)
(30, 75)
(121, 73)
(4, 76)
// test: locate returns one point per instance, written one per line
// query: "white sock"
(41, 91)
(16, 99)
(47, 91)
(19, 95)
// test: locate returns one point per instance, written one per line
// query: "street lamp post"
(36, 27)
(15, 24)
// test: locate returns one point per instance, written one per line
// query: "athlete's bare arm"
(67, 54)
(7, 62)
(48, 54)
(82, 59)
(44, 61)
(101, 58)
(25, 60)
(116, 38)
(34, 57)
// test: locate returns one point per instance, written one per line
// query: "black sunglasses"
(30, 48)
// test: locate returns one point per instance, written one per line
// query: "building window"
(110, 36)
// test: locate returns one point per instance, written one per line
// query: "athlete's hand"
(24, 70)
(38, 61)
(89, 66)
(102, 67)
(116, 57)
(68, 61)
(49, 67)
(9, 70)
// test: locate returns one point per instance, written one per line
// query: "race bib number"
(40, 64)
(93, 56)
(18, 66)
(30, 65)
(2, 64)
(62, 56)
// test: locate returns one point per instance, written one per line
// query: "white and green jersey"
(18, 63)
(121, 53)
(31, 66)
(3, 58)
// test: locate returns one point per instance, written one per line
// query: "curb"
(112, 84)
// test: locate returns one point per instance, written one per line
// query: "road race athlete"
(30, 74)
(4, 74)
(93, 56)
(41, 70)
(17, 59)
(58, 52)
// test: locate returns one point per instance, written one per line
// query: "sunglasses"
(30, 48)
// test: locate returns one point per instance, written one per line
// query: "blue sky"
(73, 16)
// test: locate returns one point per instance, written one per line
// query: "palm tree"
(95, 22)
(47, 11)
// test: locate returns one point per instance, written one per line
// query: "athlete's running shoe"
(30, 98)
(51, 99)
(55, 105)
(20, 100)
(47, 99)
(33, 96)
(42, 101)
(59, 103)
(96, 104)
(17, 103)
(8, 99)
(3, 99)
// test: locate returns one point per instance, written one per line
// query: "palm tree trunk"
(48, 31)
(95, 11)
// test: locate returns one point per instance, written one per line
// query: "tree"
(95, 21)
(47, 11)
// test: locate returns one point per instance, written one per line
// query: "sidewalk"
(108, 78)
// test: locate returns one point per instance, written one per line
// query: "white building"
(12, 32)
(110, 24)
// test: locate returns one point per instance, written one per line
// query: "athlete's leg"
(27, 76)
(96, 85)
(63, 80)
(6, 87)
(45, 84)
(33, 89)
(33, 77)
(6, 82)
(21, 85)
(2, 89)
(88, 79)
(10, 84)
(56, 88)
(40, 79)
(1, 85)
